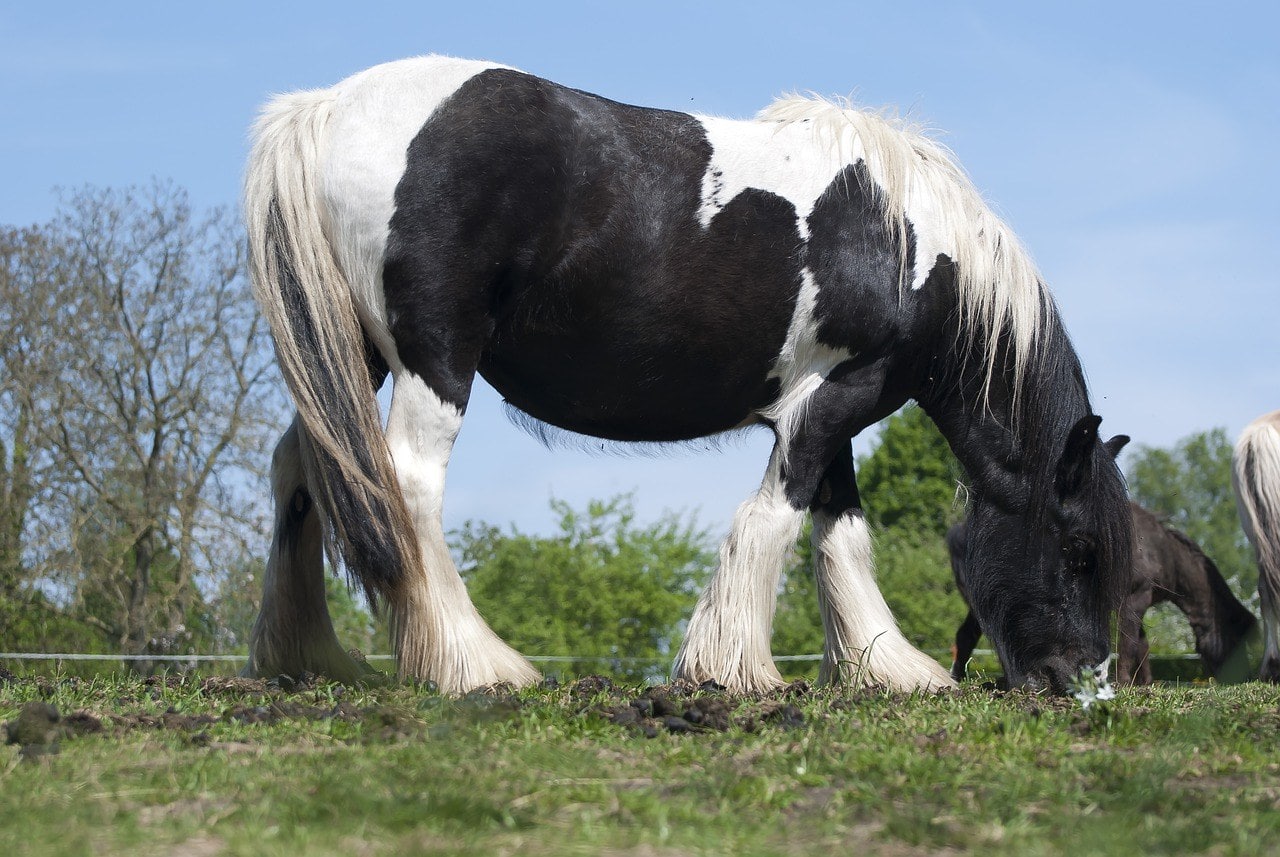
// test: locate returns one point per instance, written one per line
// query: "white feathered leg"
(728, 636)
(440, 636)
(863, 643)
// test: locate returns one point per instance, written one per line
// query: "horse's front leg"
(1131, 659)
(863, 644)
(293, 633)
(727, 640)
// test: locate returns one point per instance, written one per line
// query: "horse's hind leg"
(727, 640)
(1142, 675)
(438, 632)
(293, 633)
(1131, 659)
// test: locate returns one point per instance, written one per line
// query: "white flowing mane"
(998, 286)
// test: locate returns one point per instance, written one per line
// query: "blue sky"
(1132, 146)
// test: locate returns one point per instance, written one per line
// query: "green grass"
(204, 767)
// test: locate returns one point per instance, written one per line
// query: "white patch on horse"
(862, 644)
(421, 430)
(374, 117)
(798, 160)
(1255, 478)
(929, 225)
(802, 364)
(763, 156)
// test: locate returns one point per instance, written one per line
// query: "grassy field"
(206, 766)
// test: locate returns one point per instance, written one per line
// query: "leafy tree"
(31, 621)
(1190, 486)
(603, 589)
(910, 481)
(915, 577)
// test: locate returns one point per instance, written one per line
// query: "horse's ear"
(1116, 444)
(1077, 456)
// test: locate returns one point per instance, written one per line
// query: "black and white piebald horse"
(647, 275)
(1255, 476)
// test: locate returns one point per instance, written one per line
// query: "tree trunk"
(137, 634)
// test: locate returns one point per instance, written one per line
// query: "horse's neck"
(1187, 587)
(1198, 589)
(1005, 454)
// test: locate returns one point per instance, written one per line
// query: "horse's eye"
(1079, 552)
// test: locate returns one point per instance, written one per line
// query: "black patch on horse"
(537, 224)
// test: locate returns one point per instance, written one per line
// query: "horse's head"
(1046, 573)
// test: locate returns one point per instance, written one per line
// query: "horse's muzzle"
(1060, 675)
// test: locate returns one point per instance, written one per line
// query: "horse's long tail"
(321, 347)
(1255, 476)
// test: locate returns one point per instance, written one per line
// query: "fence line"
(550, 659)
(546, 659)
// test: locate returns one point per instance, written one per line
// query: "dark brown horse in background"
(1167, 566)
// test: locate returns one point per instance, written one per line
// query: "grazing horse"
(1167, 566)
(647, 275)
(1255, 476)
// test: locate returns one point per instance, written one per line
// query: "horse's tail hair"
(321, 347)
(1255, 476)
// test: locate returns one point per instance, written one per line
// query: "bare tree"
(19, 331)
(147, 392)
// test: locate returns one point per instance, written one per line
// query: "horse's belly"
(627, 394)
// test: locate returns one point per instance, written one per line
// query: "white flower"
(1092, 686)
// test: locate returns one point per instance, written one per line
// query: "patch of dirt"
(683, 708)
(39, 727)
(207, 810)
(1237, 788)
(199, 846)
(676, 708)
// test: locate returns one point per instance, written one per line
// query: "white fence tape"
(550, 659)
(546, 659)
